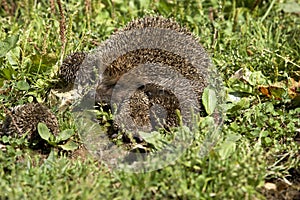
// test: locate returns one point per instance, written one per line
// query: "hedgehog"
(157, 22)
(128, 61)
(70, 66)
(129, 48)
(25, 118)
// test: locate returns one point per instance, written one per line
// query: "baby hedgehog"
(70, 66)
(25, 118)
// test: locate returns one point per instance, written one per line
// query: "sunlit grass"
(258, 143)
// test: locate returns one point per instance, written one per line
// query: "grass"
(259, 143)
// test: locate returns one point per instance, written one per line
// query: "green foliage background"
(259, 137)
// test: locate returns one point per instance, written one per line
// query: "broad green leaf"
(8, 44)
(64, 135)
(268, 140)
(233, 137)
(150, 137)
(229, 145)
(69, 146)
(8, 73)
(5, 139)
(243, 103)
(52, 140)
(51, 157)
(209, 100)
(264, 133)
(49, 162)
(239, 86)
(154, 138)
(13, 56)
(44, 132)
(290, 7)
(226, 149)
(30, 99)
(256, 78)
(23, 85)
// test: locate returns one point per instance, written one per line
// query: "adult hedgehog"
(148, 70)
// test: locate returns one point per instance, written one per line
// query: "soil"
(283, 190)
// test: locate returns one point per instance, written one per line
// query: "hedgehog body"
(127, 62)
(25, 118)
(120, 57)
